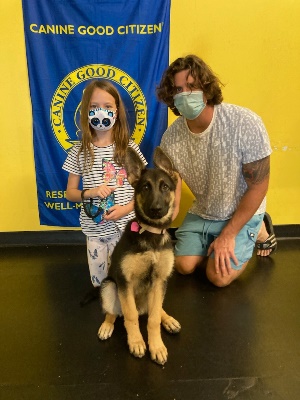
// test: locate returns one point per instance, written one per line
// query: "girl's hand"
(101, 191)
(116, 212)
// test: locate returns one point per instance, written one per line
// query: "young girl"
(99, 161)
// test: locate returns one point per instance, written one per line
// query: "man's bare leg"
(220, 280)
(187, 264)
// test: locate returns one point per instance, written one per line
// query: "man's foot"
(266, 239)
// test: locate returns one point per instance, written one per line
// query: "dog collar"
(140, 228)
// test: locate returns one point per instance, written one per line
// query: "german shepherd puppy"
(143, 259)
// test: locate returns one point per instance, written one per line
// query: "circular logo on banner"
(93, 71)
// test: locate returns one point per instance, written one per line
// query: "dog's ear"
(133, 165)
(162, 161)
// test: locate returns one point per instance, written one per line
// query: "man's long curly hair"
(120, 129)
(204, 78)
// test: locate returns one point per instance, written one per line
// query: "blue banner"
(68, 43)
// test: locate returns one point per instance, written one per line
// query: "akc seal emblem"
(65, 103)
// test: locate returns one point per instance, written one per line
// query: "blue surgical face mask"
(190, 104)
(101, 119)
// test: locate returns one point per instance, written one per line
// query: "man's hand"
(223, 247)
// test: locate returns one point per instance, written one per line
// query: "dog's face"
(154, 188)
(154, 196)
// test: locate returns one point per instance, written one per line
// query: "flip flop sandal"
(271, 242)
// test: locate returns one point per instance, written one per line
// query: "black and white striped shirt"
(104, 171)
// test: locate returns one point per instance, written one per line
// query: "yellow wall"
(253, 46)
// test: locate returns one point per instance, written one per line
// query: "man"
(222, 152)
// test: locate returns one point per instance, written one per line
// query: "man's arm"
(177, 197)
(256, 175)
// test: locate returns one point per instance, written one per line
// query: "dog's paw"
(171, 325)
(105, 330)
(159, 354)
(137, 348)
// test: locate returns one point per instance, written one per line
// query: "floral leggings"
(99, 251)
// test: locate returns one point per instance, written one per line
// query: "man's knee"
(218, 279)
(187, 264)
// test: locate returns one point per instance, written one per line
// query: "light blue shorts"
(196, 234)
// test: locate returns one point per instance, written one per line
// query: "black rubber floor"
(241, 342)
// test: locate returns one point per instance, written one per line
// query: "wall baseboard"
(40, 238)
(287, 231)
(69, 237)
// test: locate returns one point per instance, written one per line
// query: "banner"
(68, 43)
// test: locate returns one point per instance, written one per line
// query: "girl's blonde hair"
(120, 129)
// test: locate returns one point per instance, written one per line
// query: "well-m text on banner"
(67, 45)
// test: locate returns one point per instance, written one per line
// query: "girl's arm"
(116, 212)
(74, 194)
